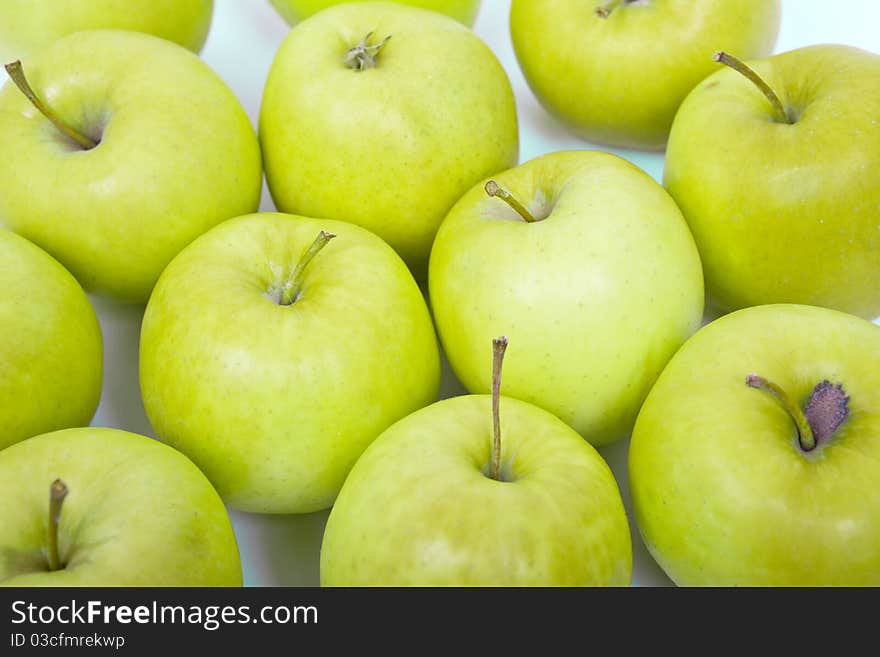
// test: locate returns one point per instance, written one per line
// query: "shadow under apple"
(121, 406)
(280, 550)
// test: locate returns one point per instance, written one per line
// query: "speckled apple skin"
(785, 213)
(28, 26)
(464, 11)
(723, 494)
(595, 298)
(138, 513)
(177, 155)
(275, 403)
(418, 509)
(391, 148)
(619, 80)
(51, 353)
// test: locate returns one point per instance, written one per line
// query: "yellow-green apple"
(101, 507)
(28, 26)
(756, 456)
(478, 490)
(594, 277)
(51, 352)
(774, 166)
(615, 72)
(464, 11)
(273, 364)
(138, 148)
(384, 115)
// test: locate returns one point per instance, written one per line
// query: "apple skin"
(595, 298)
(464, 11)
(275, 403)
(612, 80)
(51, 352)
(177, 156)
(785, 213)
(29, 26)
(722, 492)
(418, 510)
(137, 514)
(390, 148)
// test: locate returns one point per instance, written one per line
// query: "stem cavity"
(782, 115)
(494, 189)
(57, 492)
(16, 73)
(291, 290)
(499, 346)
(364, 56)
(826, 409)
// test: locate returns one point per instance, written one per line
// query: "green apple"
(732, 486)
(273, 365)
(464, 11)
(776, 173)
(443, 498)
(51, 352)
(595, 279)
(616, 71)
(28, 26)
(101, 507)
(385, 136)
(175, 155)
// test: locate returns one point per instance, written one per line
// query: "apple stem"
(16, 73)
(361, 57)
(805, 432)
(741, 67)
(499, 346)
(57, 492)
(291, 289)
(604, 10)
(494, 189)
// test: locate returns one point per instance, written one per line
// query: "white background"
(284, 550)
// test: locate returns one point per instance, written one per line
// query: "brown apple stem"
(57, 493)
(292, 288)
(494, 189)
(16, 73)
(363, 56)
(805, 432)
(604, 10)
(742, 68)
(499, 346)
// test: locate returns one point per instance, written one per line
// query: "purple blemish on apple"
(826, 410)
